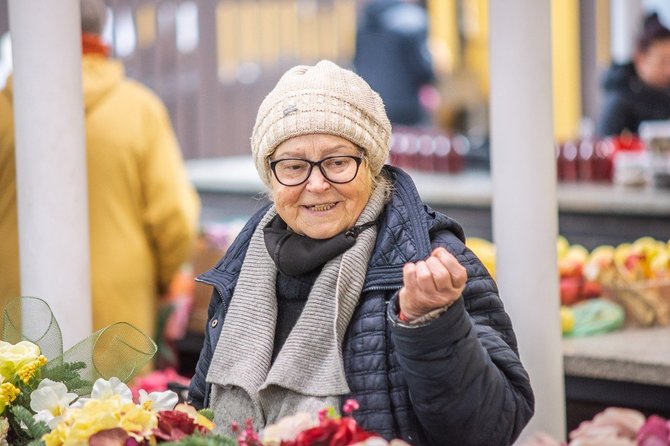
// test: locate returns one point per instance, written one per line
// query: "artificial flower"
(196, 416)
(174, 425)
(158, 401)
(111, 437)
(27, 372)
(8, 393)
(103, 389)
(654, 432)
(49, 401)
(334, 432)
(14, 357)
(4, 431)
(287, 428)
(157, 381)
(96, 415)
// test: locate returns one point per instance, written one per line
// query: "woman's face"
(653, 66)
(318, 208)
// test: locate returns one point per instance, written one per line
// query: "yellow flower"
(8, 393)
(80, 423)
(138, 421)
(14, 357)
(55, 437)
(27, 372)
(195, 416)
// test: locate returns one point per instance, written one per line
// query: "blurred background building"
(212, 61)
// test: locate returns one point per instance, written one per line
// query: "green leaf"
(69, 374)
(207, 413)
(24, 428)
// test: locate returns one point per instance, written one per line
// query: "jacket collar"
(394, 248)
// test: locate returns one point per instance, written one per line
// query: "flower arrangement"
(75, 398)
(35, 409)
(615, 426)
(301, 429)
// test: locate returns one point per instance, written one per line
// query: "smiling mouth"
(321, 207)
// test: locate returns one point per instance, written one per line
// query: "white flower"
(50, 400)
(103, 389)
(287, 428)
(158, 401)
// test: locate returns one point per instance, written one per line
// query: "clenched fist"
(430, 284)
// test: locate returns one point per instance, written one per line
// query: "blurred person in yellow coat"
(143, 211)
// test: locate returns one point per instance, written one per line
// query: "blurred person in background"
(639, 91)
(143, 211)
(392, 56)
(349, 286)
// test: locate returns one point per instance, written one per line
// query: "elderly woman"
(348, 286)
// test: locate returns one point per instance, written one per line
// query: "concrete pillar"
(524, 209)
(626, 21)
(51, 160)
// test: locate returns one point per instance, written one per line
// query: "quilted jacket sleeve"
(466, 382)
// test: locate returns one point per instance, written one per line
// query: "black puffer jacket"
(455, 381)
(392, 56)
(629, 101)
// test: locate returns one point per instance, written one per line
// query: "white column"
(51, 160)
(625, 24)
(525, 221)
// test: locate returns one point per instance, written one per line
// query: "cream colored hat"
(323, 98)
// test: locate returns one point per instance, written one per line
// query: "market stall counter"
(627, 368)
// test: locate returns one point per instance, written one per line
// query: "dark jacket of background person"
(386, 362)
(629, 101)
(143, 211)
(639, 91)
(392, 56)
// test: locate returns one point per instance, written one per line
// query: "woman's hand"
(430, 284)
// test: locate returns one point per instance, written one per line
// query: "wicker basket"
(646, 302)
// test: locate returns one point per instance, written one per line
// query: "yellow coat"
(143, 211)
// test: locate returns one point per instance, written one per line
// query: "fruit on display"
(567, 319)
(634, 275)
(644, 259)
(574, 286)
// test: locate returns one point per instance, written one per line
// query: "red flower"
(173, 425)
(331, 432)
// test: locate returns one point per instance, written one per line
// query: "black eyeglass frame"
(357, 159)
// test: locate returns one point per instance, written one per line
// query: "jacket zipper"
(219, 289)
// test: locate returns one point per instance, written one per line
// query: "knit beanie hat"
(323, 98)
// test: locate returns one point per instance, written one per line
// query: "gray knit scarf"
(308, 374)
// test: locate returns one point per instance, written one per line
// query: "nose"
(316, 182)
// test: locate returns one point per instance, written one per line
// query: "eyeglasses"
(336, 169)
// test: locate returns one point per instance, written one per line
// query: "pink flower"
(655, 432)
(157, 381)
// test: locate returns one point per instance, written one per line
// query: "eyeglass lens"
(337, 169)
